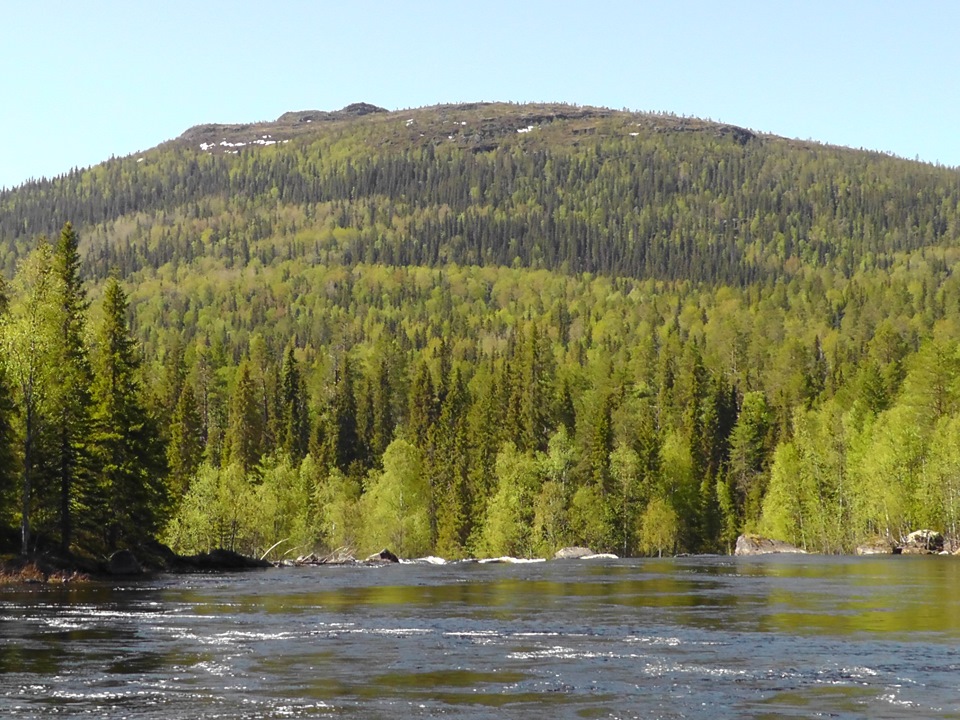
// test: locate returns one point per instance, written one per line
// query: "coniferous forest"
(480, 329)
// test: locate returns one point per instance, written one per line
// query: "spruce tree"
(423, 412)
(185, 448)
(127, 447)
(245, 428)
(74, 379)
(447, 469)
(346, 440)
(295, 428)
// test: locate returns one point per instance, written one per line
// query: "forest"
(643, 334)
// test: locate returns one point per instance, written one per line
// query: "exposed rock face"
(877, 546)
(923, 542)
(383, 556)
(756, 545)
(572, 553)
(123, 562)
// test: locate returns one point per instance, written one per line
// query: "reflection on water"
(763, 637)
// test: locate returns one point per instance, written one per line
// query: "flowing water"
(708, 637)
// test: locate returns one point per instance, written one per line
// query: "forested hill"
(480, 329)
(566, 188)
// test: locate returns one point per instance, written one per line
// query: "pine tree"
(532, 392)
(423, 411)
(245, 428)
(382, 400)
(185, 449)
(448, 470)
(128, 450)
(343, 413)
(75, 377)
(295, 427)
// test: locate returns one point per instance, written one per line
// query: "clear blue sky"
(81, 81)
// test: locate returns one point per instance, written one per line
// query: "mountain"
(562, 187)
(497, 328)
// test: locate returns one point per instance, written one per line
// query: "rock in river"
(572, 553)
(757, 545)
(877, 546)
(383, 556)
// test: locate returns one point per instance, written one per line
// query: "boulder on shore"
(572, 553)
(383, 556)
(878, 546)
(923, 542)
(757, 545)
(220, 559)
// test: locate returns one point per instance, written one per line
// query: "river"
(701, 637)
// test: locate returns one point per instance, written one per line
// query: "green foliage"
(216, 512)
(294, 413)
(396, 505)
(30, 335)
(185, 449)
(71, 462)
(129, 454)
(568, 338)
(508, 522)
(337, 499)
(246, 429)
(659, 527)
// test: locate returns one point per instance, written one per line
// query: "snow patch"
(528, 128)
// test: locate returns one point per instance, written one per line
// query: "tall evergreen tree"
(129, 452)
(74, 379)
(448, 470)
(185, 448)
(423, 411)
(245, 429)
(295, 429)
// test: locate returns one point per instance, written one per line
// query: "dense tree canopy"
(643, 342)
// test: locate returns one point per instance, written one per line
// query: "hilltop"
(477, 127)
(564, 187)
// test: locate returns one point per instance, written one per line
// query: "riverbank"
(144, 561)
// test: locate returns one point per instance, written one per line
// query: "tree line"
(84, 462)
(474, 410)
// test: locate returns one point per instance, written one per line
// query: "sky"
(83, 81)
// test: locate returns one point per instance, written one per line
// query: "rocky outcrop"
(923, 542)
(226, 560)
(581, 553)
(757, 545)
(572, 553)
(383, 556)
(878, 546)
